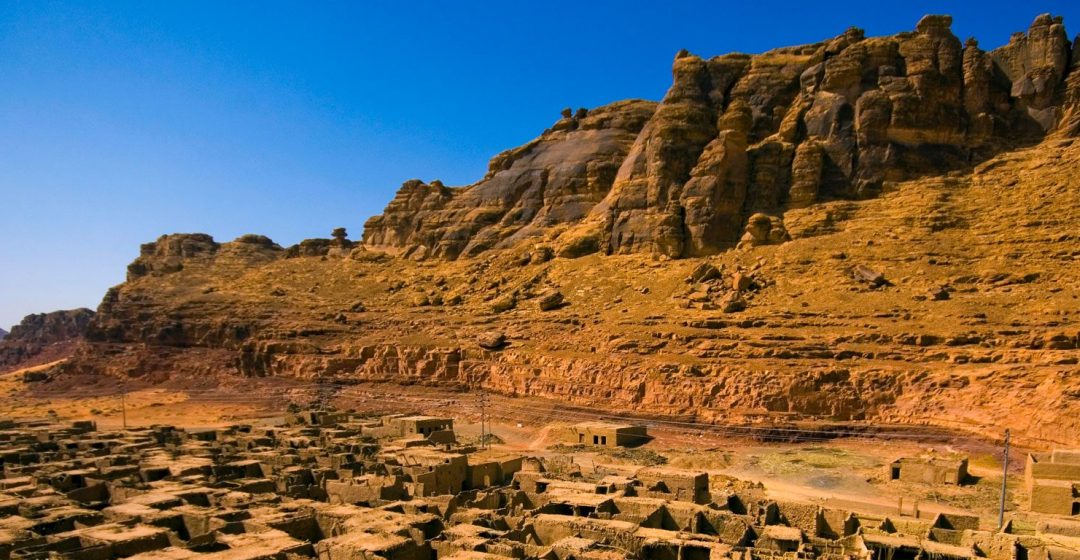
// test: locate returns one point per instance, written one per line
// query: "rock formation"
(739, 136)
(552, 181)
(43, 337)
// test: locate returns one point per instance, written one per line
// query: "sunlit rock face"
(737, 135)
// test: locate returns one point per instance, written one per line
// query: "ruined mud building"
(928, 470)
(1053, 482)
(328, 488)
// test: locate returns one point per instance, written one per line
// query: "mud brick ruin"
(339, 486)
(1053, 482)
(929, 470)
(606, 434)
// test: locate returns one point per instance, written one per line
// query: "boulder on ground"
(703, 273)
(869, 276)
(503, 304)
(491, 340)
(732, 303)
(762, 229)
(551, 300)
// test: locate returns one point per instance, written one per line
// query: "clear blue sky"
(120, 121)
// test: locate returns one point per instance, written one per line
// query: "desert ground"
(808, 465)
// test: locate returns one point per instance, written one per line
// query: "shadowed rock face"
(738, 135)
(46, 328)
(38, 332)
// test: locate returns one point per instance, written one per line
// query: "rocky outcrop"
(3, 334)
(551, 181)
(47, 328)
(171, 253)
(43, 337)
(740, 135)
(1035, 64)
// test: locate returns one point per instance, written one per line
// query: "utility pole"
(123, 401)
(1004, 482)
(482, 402)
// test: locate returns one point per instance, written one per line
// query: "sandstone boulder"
(762, 229)
(703, 273)
(741, 282)
(541, 254)
(939, 293)
(732, 303)
(504, 304)
(869, 276)
(551, 300)
(491, 340)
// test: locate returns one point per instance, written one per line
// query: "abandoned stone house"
(439, 430)
(422, 425)
(928, 470)
(1053, 482)
(674, 484)
(605, 434)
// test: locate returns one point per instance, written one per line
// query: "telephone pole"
(481, 399)
(123, 402)
(1004, 482)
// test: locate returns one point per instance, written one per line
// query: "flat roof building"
(606, 434)
(1053, 482)
(928, 470)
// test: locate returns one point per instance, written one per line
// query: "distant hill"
(43, 337)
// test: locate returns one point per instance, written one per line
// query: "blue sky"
(121, 121)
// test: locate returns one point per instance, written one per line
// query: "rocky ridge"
(43, 337)
(739, 136)
(869, 230)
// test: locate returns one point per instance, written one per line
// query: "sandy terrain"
(840, 472)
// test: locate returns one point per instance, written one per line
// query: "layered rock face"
(43, 335)
(553, 180)
(738, 135)
(170, 252)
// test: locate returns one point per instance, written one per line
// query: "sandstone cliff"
(906, 214)
(740, 134)
(43, 337)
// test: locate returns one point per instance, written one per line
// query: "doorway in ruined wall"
(689, 552)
